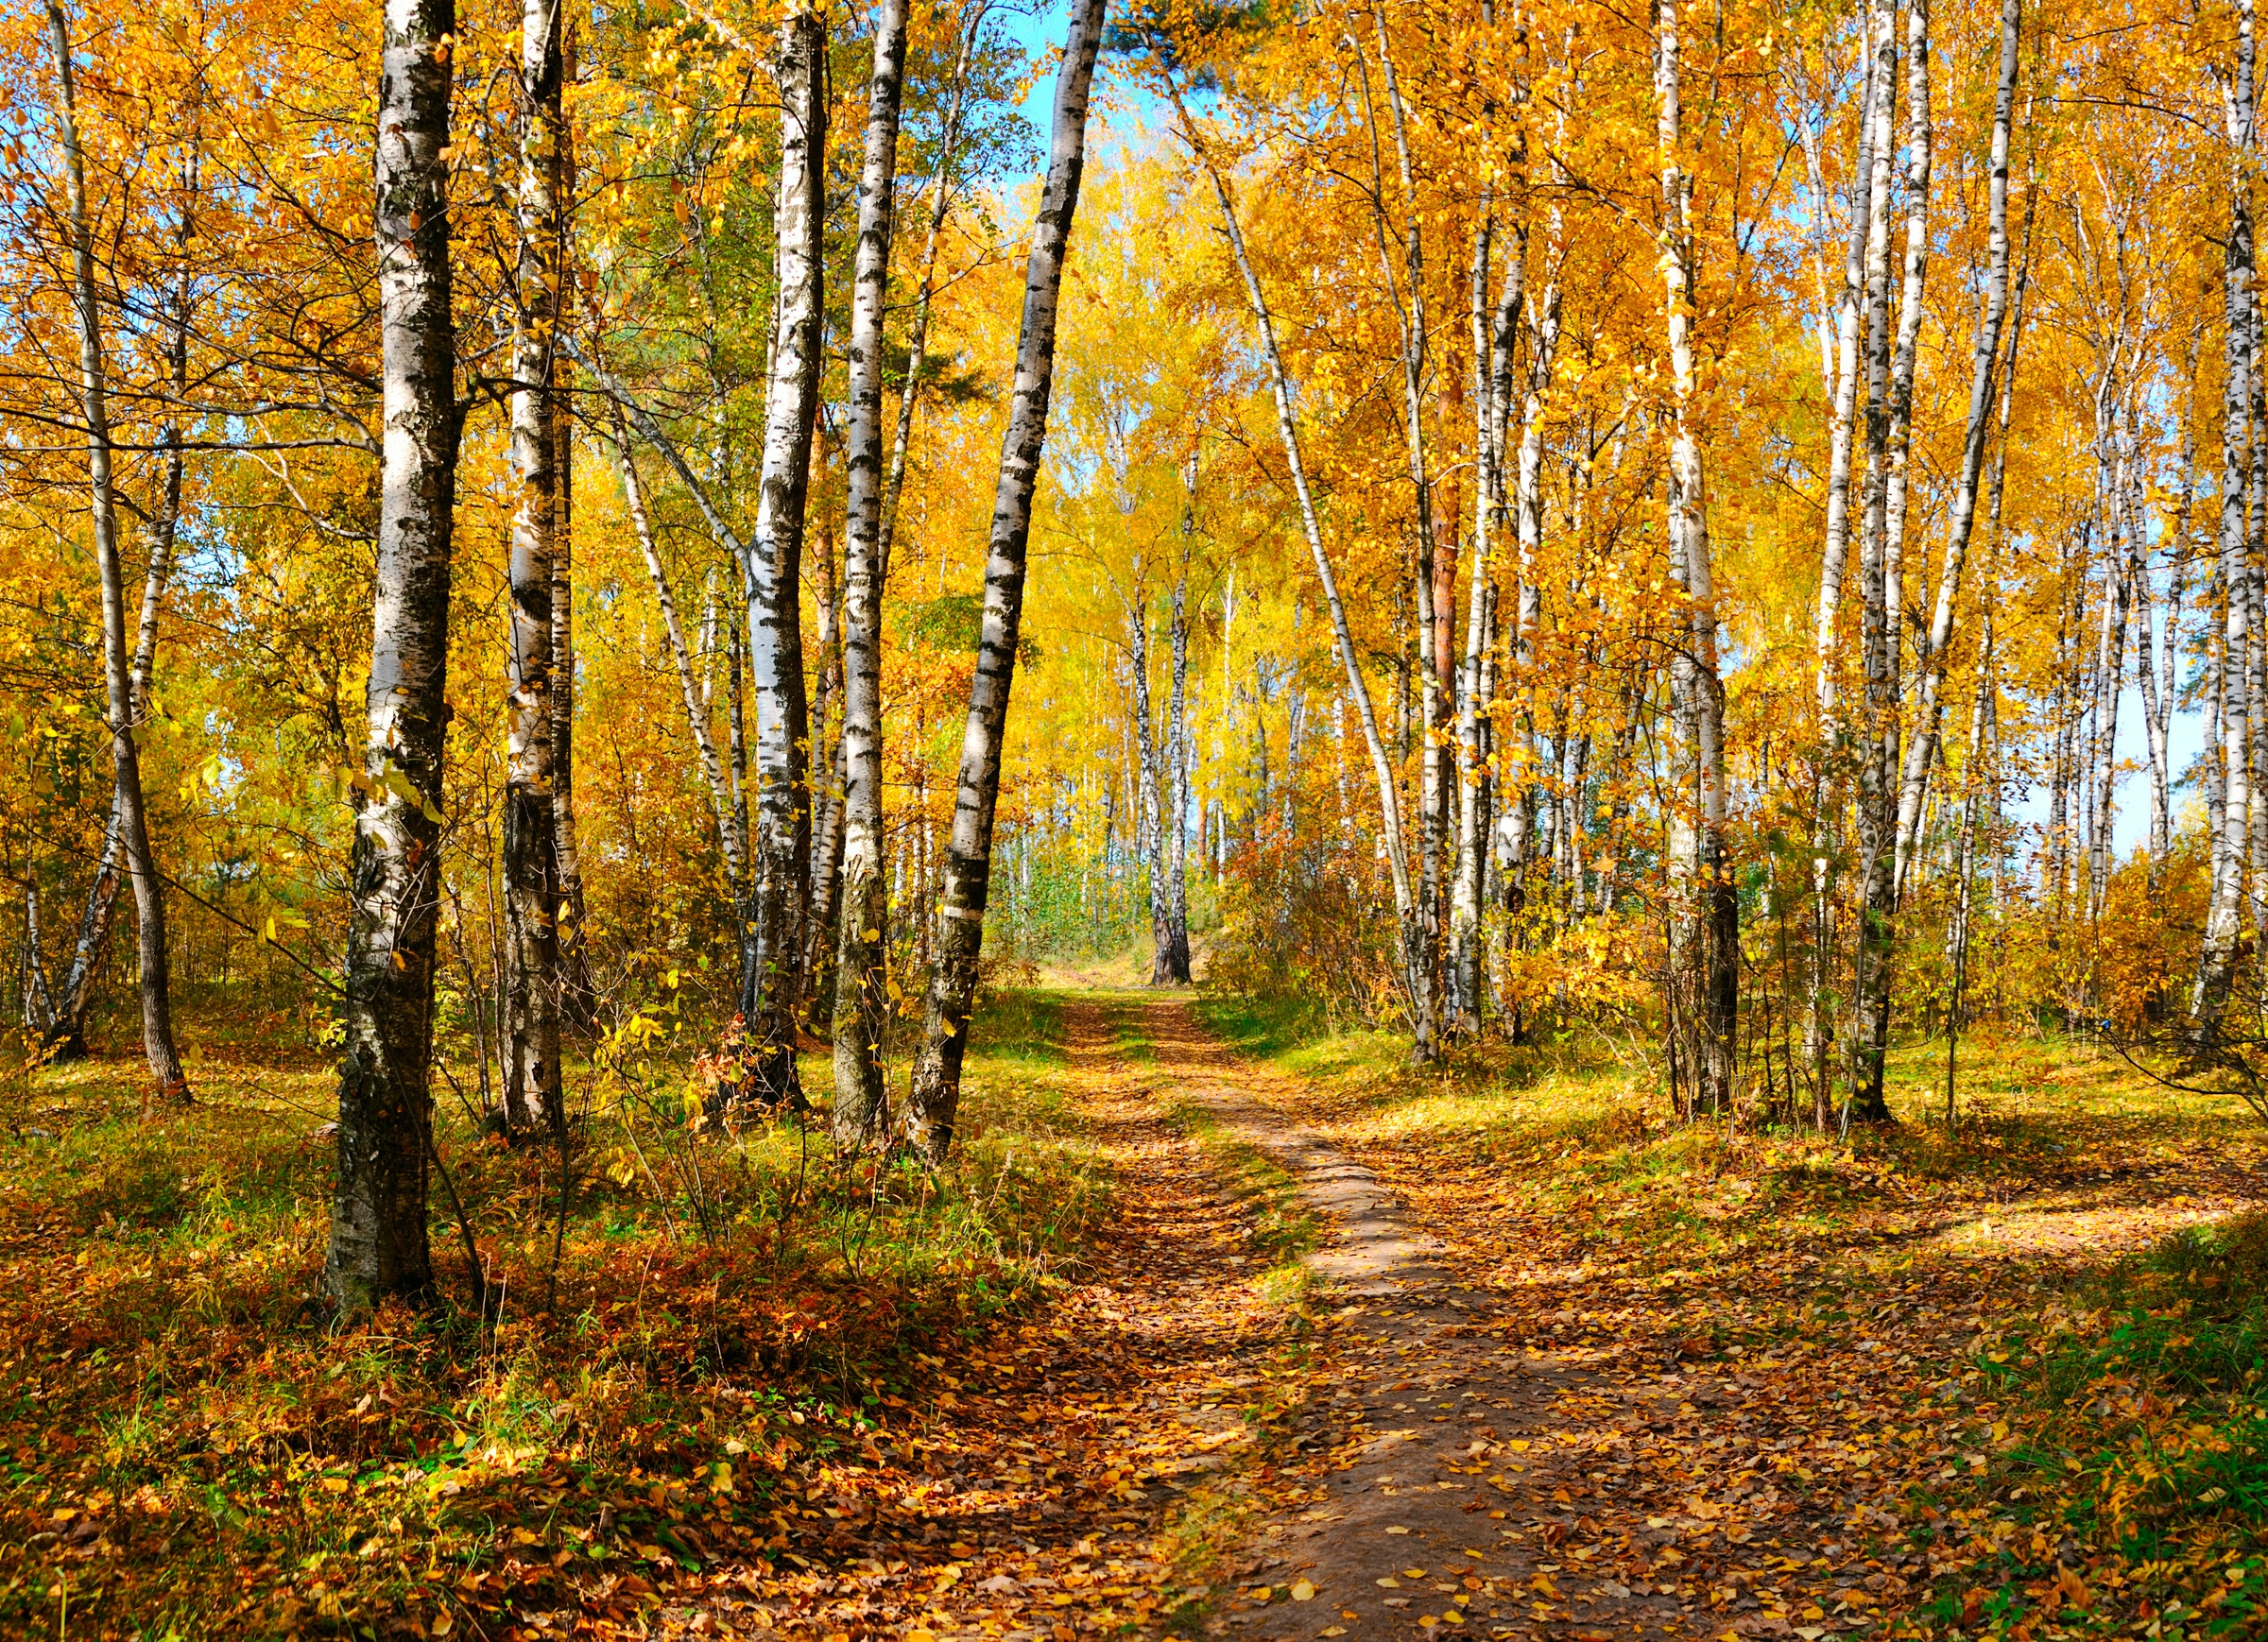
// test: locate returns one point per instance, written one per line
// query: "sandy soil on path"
(1442, 1460)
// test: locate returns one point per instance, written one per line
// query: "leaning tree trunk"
(860, 996)
(378, 1247)
(172, 1087)
(532, 1101)
(1706, 928)
(934, 1099)
(1436, 770)
(63, 1025)
(1408, 914)
(771, 985)
(917, 356)
(689, 687)
(1935, 643)
(2217, 960)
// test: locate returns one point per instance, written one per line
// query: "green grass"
(730, 1301)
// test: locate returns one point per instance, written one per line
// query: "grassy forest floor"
(1207, 1329)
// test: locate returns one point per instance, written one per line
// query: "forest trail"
(1444, 1499)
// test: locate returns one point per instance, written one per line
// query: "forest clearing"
(859, 819)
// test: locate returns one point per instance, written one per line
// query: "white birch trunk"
(934, 1101)
(378, 1246)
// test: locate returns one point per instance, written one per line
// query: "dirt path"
(1038, 1498)
(1446, 1494)
(1170, 1446)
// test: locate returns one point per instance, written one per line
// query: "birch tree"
(934, 1101)
(2217, 959)
(771, 983)
(860, 999)
(1704, 929)
(131, 818)
(532, 1099)
(378, 1246)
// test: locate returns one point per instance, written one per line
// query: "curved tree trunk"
(1407, 913)
(1936, 642)
(378, 1246)
(934, 1099)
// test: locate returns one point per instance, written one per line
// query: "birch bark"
(1934, 645)
(933, 1101)
(62, 1014)
(728, 843)
(780, 866)
(171, 1087)
(1465, 989)
(378, 1246)
(1173, 970)
(860, 1000)
(1877, 803)
(1358, 690)
(1433, 775)
(532, 1102)
(2217, 957)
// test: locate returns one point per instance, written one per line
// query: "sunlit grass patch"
(635, 1368)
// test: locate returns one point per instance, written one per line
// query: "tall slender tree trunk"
(2217, 958)
(1406, 908)
(1877, 811)
(1936, 642)
(861, 1001)
(2110, 672)
(1154, 767)
(577, 1002)
(1465, 889)
(1869, 193)
(1175, 969)
(1434, 769)
(1705, 920)
(917, 356)
(771, 981)
(62, 1017)
(171, 1087)
(829, 779)
(378, 1246)
(728, 842)
(933, 1101)
(532, 1102)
